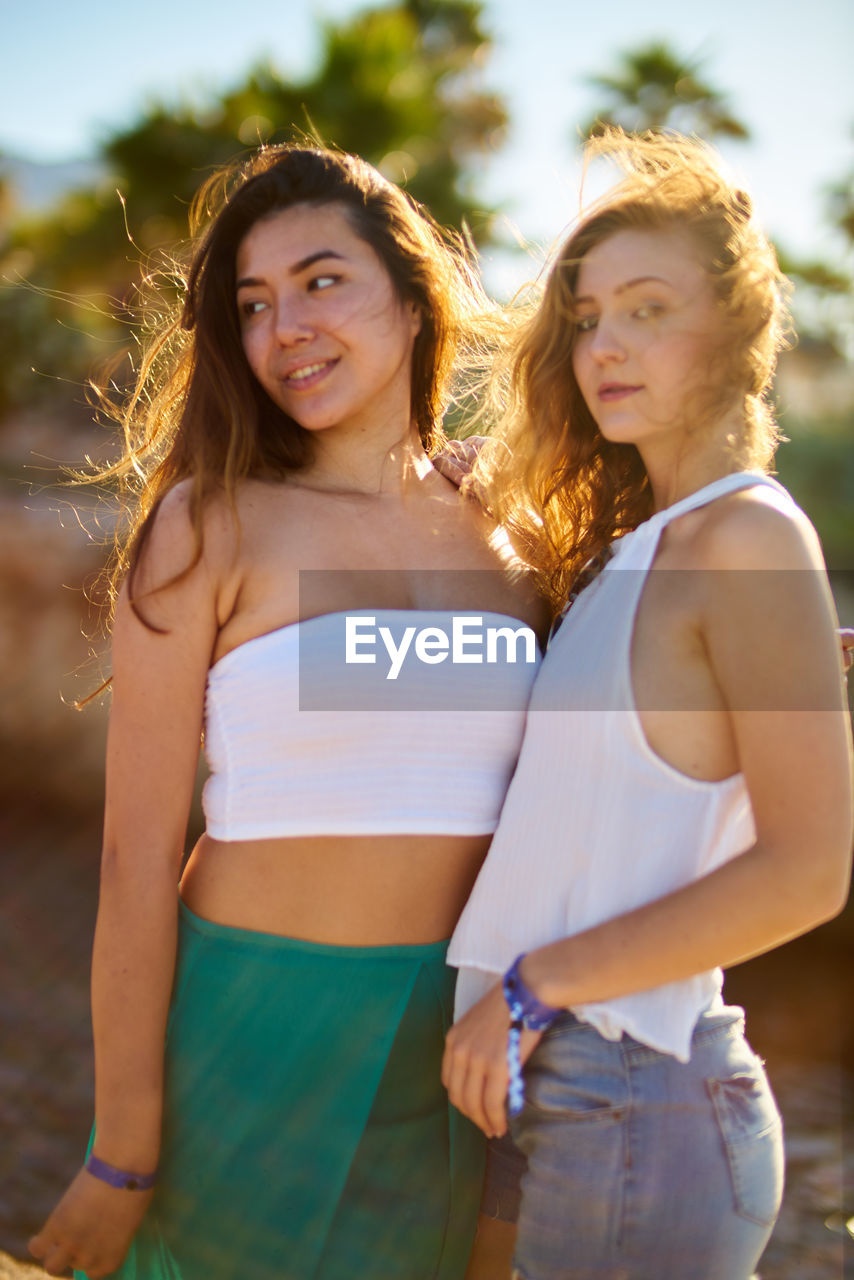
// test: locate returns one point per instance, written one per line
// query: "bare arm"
(793, 740)
(152, 755)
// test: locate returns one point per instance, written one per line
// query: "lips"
(304, 376)
(610, 391)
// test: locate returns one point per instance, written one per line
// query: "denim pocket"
(752, 1134)
(577, 1076)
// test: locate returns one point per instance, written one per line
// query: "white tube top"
(305, 736)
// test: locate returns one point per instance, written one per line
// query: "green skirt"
(306, 1133)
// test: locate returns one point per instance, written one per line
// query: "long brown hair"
(563, 491)
(196, 411)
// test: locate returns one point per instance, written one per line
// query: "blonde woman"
(683, 796)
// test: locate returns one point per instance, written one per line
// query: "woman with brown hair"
(683, 795)
(278, 456)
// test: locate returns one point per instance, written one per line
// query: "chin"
(312, 422)
(622, 432)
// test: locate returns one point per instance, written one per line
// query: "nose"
(605, 345)
(292, 324)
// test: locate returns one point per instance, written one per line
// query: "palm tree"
(655, 88)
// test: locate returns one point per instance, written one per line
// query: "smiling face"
(322, 327)
(649, 324)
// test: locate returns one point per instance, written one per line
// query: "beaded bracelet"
(119, 1178)
(528, 1012)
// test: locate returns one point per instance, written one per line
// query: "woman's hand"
(474, 1068)
(846, 639)
(456, 460)
(91, 1228)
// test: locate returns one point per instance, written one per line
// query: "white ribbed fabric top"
(301, 742)
(595, 823)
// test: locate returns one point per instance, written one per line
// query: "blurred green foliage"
(816, 465)
(825, 291)
(653, 87)
(398, 83)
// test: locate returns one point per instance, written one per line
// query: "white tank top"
(300, 740)
(595, 823)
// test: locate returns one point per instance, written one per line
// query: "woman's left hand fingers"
(463, 1078)
(474, 1068)
(495, 1099)
(454, 1067)
(91, 1228)
(471, 1099)
(55, 1258)
(479, 1092)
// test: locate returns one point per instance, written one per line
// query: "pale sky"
(70, 73)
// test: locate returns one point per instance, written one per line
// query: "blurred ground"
(796, 1018)
(10, 1269)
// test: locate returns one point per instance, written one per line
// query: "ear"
(414, 316)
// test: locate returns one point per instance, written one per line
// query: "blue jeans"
(640, 1167)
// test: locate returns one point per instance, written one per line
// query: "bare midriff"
(359, 891)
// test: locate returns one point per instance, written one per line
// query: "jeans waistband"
(716, 1021)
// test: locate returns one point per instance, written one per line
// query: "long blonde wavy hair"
(563, 491)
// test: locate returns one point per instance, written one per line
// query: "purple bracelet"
(119, 1178)
(525, 1011)
(523, 1004)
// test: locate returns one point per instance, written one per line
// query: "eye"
(251, 307)
(586, 324)
(318, 283)
(649, 311)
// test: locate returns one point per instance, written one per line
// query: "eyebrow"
(296, 269)
(630, 284)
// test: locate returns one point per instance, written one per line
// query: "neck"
(681, 465)
(367, 462)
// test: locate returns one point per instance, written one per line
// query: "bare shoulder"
(187, 558)
(171, 541)
(758, 528)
